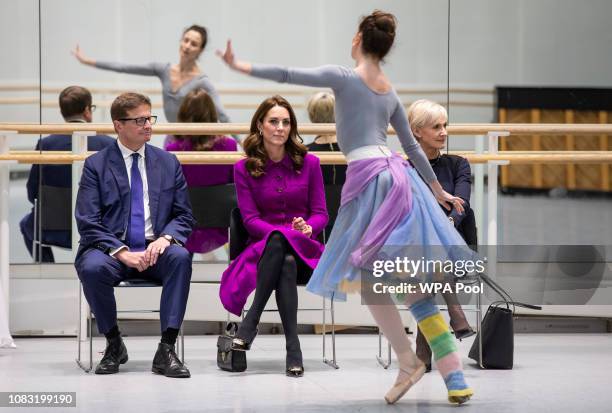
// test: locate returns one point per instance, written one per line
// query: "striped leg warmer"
(443, 346)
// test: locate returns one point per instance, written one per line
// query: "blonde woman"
(321, 110)
(428, 121)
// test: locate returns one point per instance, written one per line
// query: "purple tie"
(136, 226)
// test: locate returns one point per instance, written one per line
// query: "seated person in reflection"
(321, 110)
(134, 216)
(76, 107)
(198, 107)
(428, 121)
(282, 202)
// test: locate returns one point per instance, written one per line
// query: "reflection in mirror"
(19, 102)
(53, 184)
(154, 46)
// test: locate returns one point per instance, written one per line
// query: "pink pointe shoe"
(399, 389)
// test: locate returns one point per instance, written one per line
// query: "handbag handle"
(231, 328)
(516, 304)
(506, 298)
(498, 289)
(525, 305)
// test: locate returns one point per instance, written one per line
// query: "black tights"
(277, 270)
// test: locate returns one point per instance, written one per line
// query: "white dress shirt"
(127, 158)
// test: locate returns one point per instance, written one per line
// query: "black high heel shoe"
(243, 344)
(295, 371)
(294, 363)
(239, 344)
(464, 333)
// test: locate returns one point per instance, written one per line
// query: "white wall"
(527, 42)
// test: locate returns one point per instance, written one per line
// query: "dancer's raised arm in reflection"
(178, 79)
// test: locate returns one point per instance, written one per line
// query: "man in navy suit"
(75, 105)
(134, 216)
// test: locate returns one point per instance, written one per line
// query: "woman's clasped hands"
(299, 224)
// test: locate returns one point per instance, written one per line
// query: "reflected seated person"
(75, 103)
(198, 107)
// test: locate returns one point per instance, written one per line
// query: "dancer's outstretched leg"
(443, 346)
(411, 369)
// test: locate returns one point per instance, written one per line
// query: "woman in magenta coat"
(282, 202)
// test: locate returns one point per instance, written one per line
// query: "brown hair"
(73, 101)
(377, 33)
(201, 30)
(198, 107)
(253, 144)
(125, 102)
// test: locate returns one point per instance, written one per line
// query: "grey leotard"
(172, 100)
(362, 115)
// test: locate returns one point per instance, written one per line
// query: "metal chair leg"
(324, 328)
(332, 362)
(35, 252)
(80, 335)
(384, 364)
(182, 344)
(90, 332)
(479, 328)
(80, 363)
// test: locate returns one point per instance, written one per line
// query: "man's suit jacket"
(56, 175)
(103, 201)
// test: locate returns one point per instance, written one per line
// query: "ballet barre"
(329, 158)
(458, 129)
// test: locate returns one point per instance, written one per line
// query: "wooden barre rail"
(249, 91)
(226, 105)
(331, 158)
(312, 128)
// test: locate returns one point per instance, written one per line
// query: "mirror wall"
(40, 38)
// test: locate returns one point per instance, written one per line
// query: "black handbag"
(497, 331)
(228, 359)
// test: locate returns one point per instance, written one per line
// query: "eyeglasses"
(142, 120)
(92, 108)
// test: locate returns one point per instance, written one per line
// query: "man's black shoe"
(115, 354)
(166, 362)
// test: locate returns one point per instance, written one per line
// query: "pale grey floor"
(552, 373)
